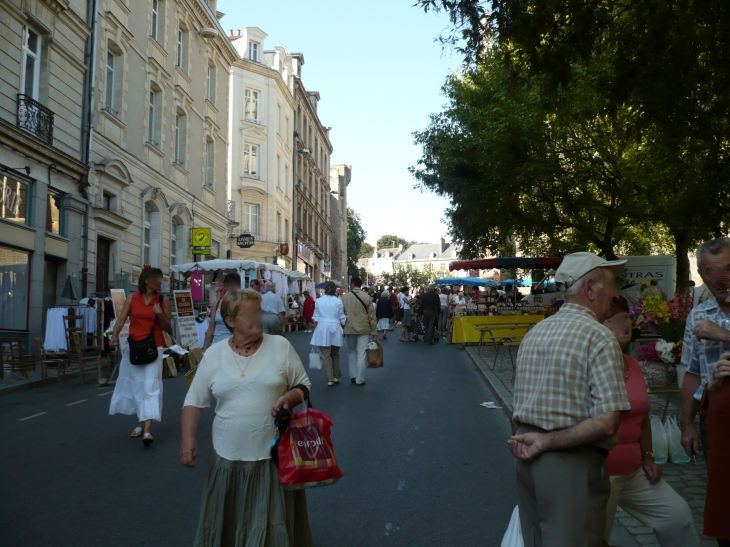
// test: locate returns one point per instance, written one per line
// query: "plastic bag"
(513, 536)
(375, 356)
(659, 440)
(315, 360)
(306, 455)
(676, 452)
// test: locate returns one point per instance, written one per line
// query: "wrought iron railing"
(35, 118)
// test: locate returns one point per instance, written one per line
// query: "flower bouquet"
(658, 362)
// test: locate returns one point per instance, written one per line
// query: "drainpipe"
(295, 152)
(86, 134)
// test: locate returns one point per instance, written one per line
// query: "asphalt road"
(424, 464)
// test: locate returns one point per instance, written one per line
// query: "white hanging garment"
(89, 320)
(55, 338)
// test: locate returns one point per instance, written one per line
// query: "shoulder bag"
(144, 352)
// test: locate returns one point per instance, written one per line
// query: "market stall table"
(465, 327)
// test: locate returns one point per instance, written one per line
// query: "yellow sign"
(201, 237)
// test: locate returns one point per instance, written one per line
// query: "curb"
(32, 384)
(504, 397)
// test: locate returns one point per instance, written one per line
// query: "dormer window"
(432, 255)
(253, 52)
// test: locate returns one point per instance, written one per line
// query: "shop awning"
(468, 281)
(526, 263)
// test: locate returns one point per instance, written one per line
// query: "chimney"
(400, 248)
(442, 244)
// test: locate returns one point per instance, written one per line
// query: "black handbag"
(144, 352)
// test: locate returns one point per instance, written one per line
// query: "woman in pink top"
(636, 483)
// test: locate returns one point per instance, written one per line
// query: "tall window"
(177, 242)
(278, 119)
(180, 137)
(15, 200)
(278, 227)
(54, 214)
(147, 236)
(153, 130)
(110, 77)
(14, 297)
(286, 229)
(158, 14)
(251, 105)
(251, 218)
(278, 172)
(151, 235)
(287, 131)
(114, 77)
(286, 180)
(210, 84)
(253, 51)
(31, 63)
(182, 48)
(209, 163)
(251, 160)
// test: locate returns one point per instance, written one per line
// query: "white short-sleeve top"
(243, 425)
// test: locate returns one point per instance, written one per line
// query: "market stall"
(466, 329)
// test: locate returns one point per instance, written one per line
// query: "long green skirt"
(244, 506)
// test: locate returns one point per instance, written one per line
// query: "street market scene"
(478, 297)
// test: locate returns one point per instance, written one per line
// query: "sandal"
(147, 440)
(137, 432)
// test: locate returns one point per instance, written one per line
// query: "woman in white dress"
(329, 316)
(138, 390)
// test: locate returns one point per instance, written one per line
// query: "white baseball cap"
(576, 265)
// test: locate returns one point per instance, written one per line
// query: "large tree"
(355, 238)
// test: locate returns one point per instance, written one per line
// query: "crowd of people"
(581, 433)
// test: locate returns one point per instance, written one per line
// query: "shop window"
(14, 289)
(15, 200)
(54, 214)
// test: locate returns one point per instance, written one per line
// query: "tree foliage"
(599, 125)
(387, 241)
(355, 238)
(366, 250)
(408, 275)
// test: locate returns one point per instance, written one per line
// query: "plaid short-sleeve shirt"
(569, 369)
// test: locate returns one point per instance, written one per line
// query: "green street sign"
(201, 250)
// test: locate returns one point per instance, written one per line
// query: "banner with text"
(187, 330)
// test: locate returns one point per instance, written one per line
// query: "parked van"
(638, 273)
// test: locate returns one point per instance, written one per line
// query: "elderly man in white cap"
(569, 395)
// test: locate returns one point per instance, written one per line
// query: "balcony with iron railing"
(35, 118)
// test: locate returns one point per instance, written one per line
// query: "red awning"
(526, 263)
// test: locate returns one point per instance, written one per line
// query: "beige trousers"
(331, 360)
(657, 506)
(562, 497)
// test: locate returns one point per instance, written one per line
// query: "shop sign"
(245, 241)
(327, 266)
(201, 237)
(186, 327)
(304, 253)
(201, 250)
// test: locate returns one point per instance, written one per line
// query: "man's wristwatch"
(647, 453)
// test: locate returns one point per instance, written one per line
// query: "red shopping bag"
(306, 455)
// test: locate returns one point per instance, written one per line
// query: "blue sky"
(380, 74)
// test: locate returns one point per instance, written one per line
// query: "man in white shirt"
(272, 309)
(444, 298)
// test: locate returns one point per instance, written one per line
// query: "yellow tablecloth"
(464, 331)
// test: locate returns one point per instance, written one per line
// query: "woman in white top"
(329, 318)
(405, 303)
(252, 376)
(217, 330)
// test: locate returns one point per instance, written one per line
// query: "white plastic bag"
(659, 440)
(676, 452)
(371, 346)
(513, 536)
(315, 359)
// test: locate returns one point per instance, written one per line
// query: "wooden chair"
(85, 360)
(72, 324)
(50, 361)
(18, 359)
(194, 356)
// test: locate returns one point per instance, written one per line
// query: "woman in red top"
(138, 390)
(636, 483)
(308, 310)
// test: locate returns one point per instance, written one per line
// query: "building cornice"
(208, 19)
(267, 72)
(304, 97)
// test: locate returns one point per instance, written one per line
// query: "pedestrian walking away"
(384, 313)
(252, 377)
(217, 331)
(329, 318)
(361, 327)
(568, 398)
(138, 390)
(405, 304)
(308, 310)
(637, 485)
(430, 308)
(273, 310)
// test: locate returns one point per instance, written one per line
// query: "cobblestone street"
(689, 480)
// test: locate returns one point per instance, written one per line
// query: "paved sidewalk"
(689, 480)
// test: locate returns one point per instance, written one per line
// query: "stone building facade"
(261, 147)
(44, 59)
(313, 232)
(340, 177)
(160, 136)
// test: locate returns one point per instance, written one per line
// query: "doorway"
(103, 261)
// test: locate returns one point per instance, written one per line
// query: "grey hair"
(270, 286)
(713, 246)
(596, 274)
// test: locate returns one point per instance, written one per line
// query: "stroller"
(419, 329)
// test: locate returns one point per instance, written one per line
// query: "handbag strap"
(361, 302)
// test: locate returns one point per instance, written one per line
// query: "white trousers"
(657, 506)
(357, 362)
